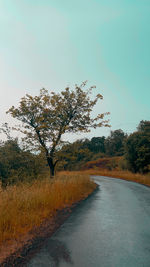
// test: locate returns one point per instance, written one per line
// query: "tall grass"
(126, 175)
(25, 206)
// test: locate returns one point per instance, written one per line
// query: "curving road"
(109, 229)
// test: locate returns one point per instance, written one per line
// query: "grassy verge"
(126, 175)
(26, 206)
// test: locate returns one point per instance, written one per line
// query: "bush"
(17, 165)
(138, 152)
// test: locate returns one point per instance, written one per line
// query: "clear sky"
(56, 43)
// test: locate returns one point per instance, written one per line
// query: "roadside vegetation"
(125, 175)
(25, 206)
(118, 151)
(119, 155)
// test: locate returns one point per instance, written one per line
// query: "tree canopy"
(114, 144)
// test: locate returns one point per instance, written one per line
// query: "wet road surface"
(110, 229)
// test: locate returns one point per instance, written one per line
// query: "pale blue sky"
(55, 43)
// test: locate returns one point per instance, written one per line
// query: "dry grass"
(102, 163)
(111, 166)
(126, 175)
(25, 206)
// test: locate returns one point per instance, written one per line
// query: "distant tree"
(114, 144)
(97, 144)
(138, 148)
(75, 154)
(84, 143)
(144, 127)
(46, 117)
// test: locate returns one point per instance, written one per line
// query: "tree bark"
(52, 171)
(51, 166)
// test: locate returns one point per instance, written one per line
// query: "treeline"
(134, 150)
(76, 154)
(18, 164)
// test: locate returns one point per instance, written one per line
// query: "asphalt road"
(110, 229)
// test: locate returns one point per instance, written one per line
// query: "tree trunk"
(52, 171)
(51, 166)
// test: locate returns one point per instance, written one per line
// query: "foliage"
(114, 144)
(97, 144)
(144, 126)
(75, 155)
(17, 165)
(45, 118)
(95, 153)
(138, 148)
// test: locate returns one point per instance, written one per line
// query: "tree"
(138, 148)
(46, 117)
(114, 144)
(75, 154)
(97, 144)
(144, 126)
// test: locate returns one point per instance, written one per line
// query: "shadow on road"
(58, 251)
